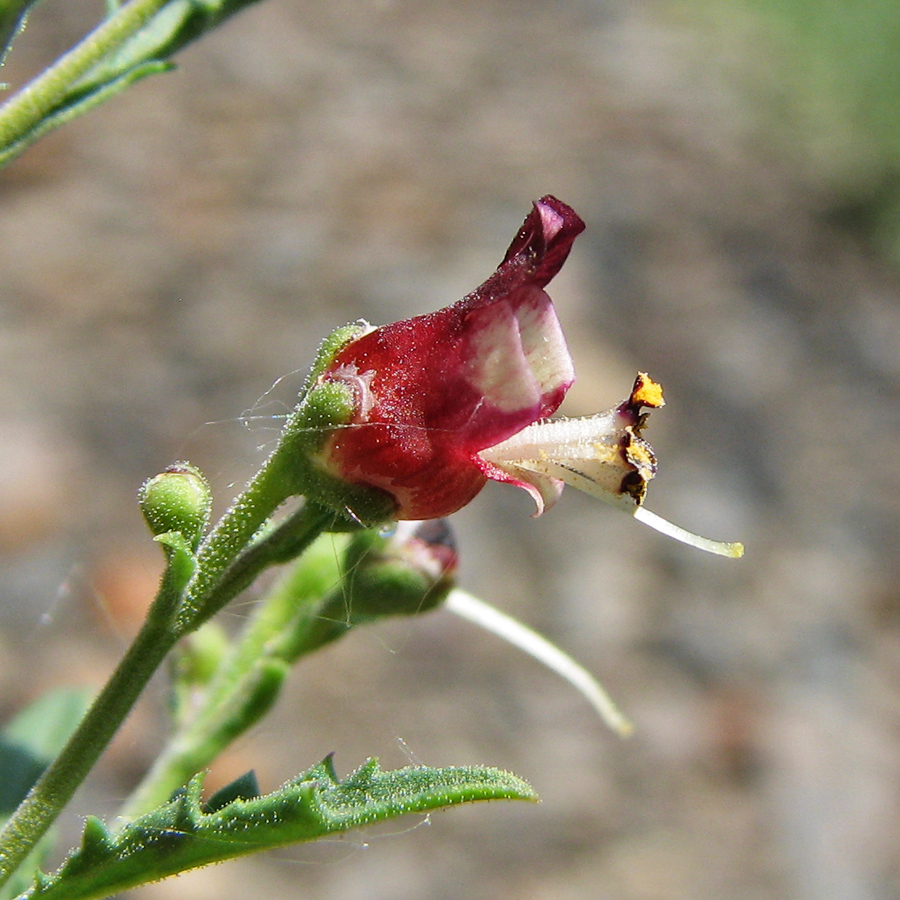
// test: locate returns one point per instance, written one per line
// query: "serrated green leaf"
(180, 835)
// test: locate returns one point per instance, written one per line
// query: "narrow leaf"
(77, 103)
(180, 835)
(12, 23)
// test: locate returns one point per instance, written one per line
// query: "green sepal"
(181, 564)
(325, 407)
(370, 575)
(330, 347)
(179, 835)
(385, 576)
(180, 558)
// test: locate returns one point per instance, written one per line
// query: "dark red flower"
(435, 390)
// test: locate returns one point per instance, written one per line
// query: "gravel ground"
(166, 260)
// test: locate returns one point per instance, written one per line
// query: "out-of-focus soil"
(171, 256)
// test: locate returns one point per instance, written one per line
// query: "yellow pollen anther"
(646, 392)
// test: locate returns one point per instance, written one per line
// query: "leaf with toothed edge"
(180, 835)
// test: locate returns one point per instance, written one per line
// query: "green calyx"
(331, 346)
(394, 574)
(375, 575)
(325, 406)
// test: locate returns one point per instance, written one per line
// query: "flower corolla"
(445, 401)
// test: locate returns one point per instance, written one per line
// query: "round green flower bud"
(177, 499)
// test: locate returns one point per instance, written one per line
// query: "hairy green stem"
(188, 595)
(25, 110)
(216, 581)
(249, 678)
(62, 778)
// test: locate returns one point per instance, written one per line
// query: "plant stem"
(191, 602)
(65, 774)
(25, 110)
(249, 678)
(193, 588)
(215, 582)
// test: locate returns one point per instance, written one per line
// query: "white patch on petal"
(498, 369)
(543, 343)
(517, 354)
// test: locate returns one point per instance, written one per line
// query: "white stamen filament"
(469, 607)
(732, 549)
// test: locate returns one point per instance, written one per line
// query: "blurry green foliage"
(823, 82)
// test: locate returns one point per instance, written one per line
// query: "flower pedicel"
(445, 401)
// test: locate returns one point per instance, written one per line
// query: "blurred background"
(170, 262)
